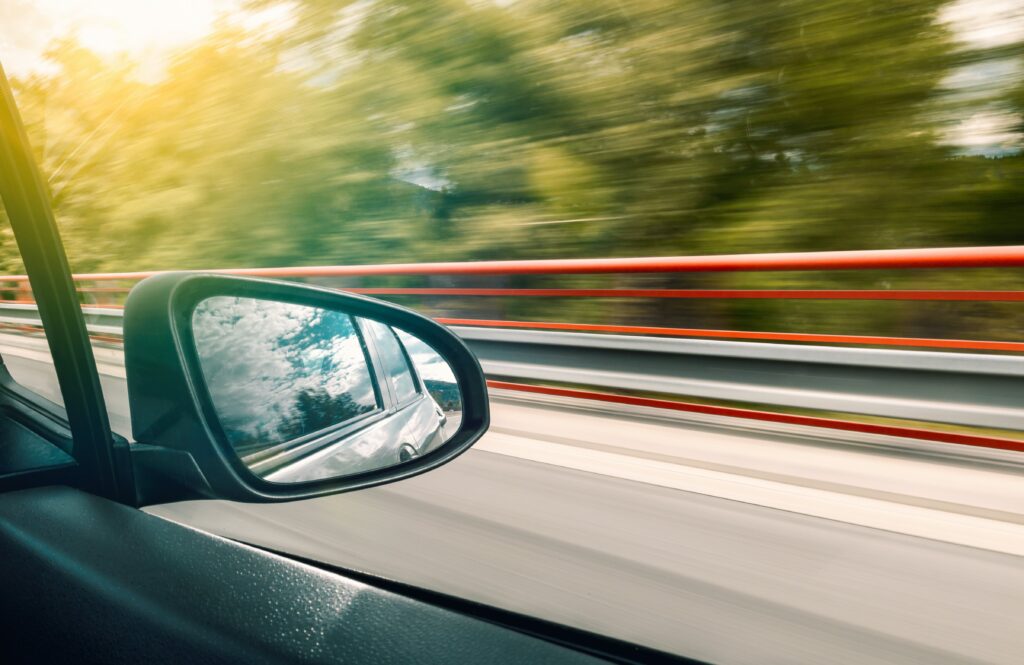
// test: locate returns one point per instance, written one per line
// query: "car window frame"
(398, 405)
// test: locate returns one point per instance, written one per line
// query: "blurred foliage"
(400, 130)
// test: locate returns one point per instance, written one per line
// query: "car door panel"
(132, 587)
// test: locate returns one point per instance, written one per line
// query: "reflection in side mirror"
(302, 393)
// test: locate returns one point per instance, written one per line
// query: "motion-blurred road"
(706, 537)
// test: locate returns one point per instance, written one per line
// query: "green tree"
(399, 130)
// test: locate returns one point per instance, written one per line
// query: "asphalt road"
(700, 537)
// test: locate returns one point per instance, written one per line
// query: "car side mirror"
(257, 390)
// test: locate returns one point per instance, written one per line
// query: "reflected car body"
(396, 434)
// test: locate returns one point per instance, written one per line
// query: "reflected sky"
(429, 362)
(277, 371)
(436, 373)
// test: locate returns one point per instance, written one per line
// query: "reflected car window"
(396, 365)
(277, 371)
(436, 373)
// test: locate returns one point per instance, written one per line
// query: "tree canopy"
(399, 130)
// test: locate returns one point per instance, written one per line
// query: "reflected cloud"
(277, 371)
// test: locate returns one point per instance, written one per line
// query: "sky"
(981, 23)
(144, 30)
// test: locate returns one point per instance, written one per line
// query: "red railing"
(109, 289)
(887, 259)
(900, 431)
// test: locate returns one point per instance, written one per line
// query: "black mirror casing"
(181, 451)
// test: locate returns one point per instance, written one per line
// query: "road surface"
(707, 537)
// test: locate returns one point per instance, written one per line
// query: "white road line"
(911, 520)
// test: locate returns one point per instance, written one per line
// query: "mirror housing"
(180, 450)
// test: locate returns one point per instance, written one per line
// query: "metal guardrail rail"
(955, 388)
(909, 378)
(963, 389)
(103, 321)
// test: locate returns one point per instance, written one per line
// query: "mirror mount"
(182, 451)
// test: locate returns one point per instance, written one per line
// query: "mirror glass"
(303, 393)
